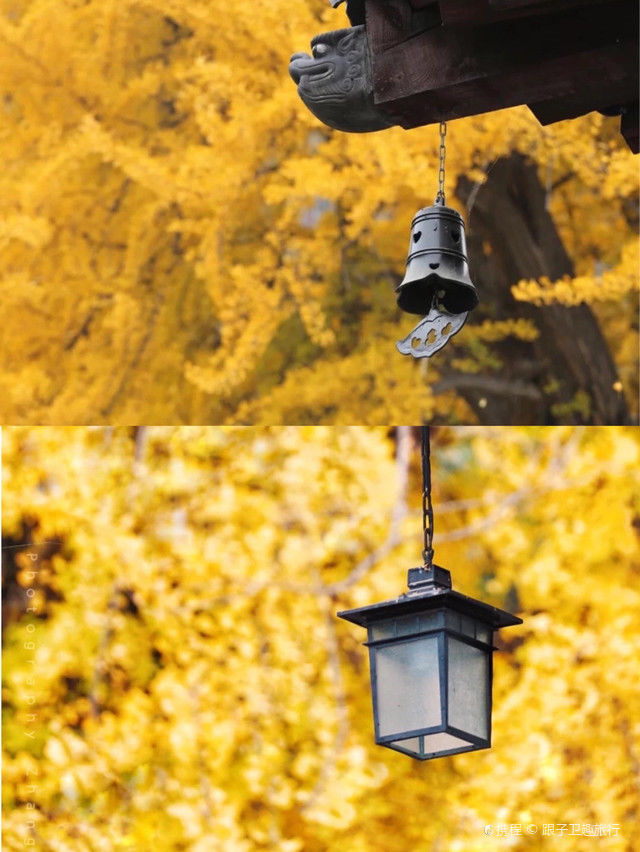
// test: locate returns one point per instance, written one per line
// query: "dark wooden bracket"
(567, 58)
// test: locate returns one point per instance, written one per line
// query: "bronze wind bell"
(436, 284)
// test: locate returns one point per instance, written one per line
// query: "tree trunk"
(567, 375)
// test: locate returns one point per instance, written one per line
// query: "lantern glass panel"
(467, 626)
(407, 685)
(410, 746)
(468, 688)
(383, 629)
(405, 625)
(431, 620)
(461, 624)
(442, 742)
(483, 633)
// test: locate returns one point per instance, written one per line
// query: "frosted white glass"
(467, 626)
(431, 620)
(383, 629)
(408, 686)
(461, 623)
(453, 620)
(405, 625)
(443, 742)
(412, 745)
(468, 688)
(483, 634)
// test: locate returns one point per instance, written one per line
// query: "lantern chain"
(442, 152)
(427, 508)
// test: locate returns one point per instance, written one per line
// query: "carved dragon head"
(335, 81)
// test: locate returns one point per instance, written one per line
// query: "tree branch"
(488, 384)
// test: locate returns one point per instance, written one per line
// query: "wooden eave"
(466, 12)
(444, 59)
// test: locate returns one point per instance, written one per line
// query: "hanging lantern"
(430, 655)
(436, 284)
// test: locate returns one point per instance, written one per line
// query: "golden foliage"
(608, 285)
(178, 679)
(180, 237)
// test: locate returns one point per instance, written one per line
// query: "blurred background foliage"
(175, 677)
(181, 241)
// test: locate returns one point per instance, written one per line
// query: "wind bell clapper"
(436, 284)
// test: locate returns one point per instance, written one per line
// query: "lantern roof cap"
(431, 594)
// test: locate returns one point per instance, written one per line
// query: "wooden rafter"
(453, 58)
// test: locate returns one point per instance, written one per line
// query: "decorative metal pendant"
(431, 333)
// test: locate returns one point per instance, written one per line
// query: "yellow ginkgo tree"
(175, 677)
(181, 241)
